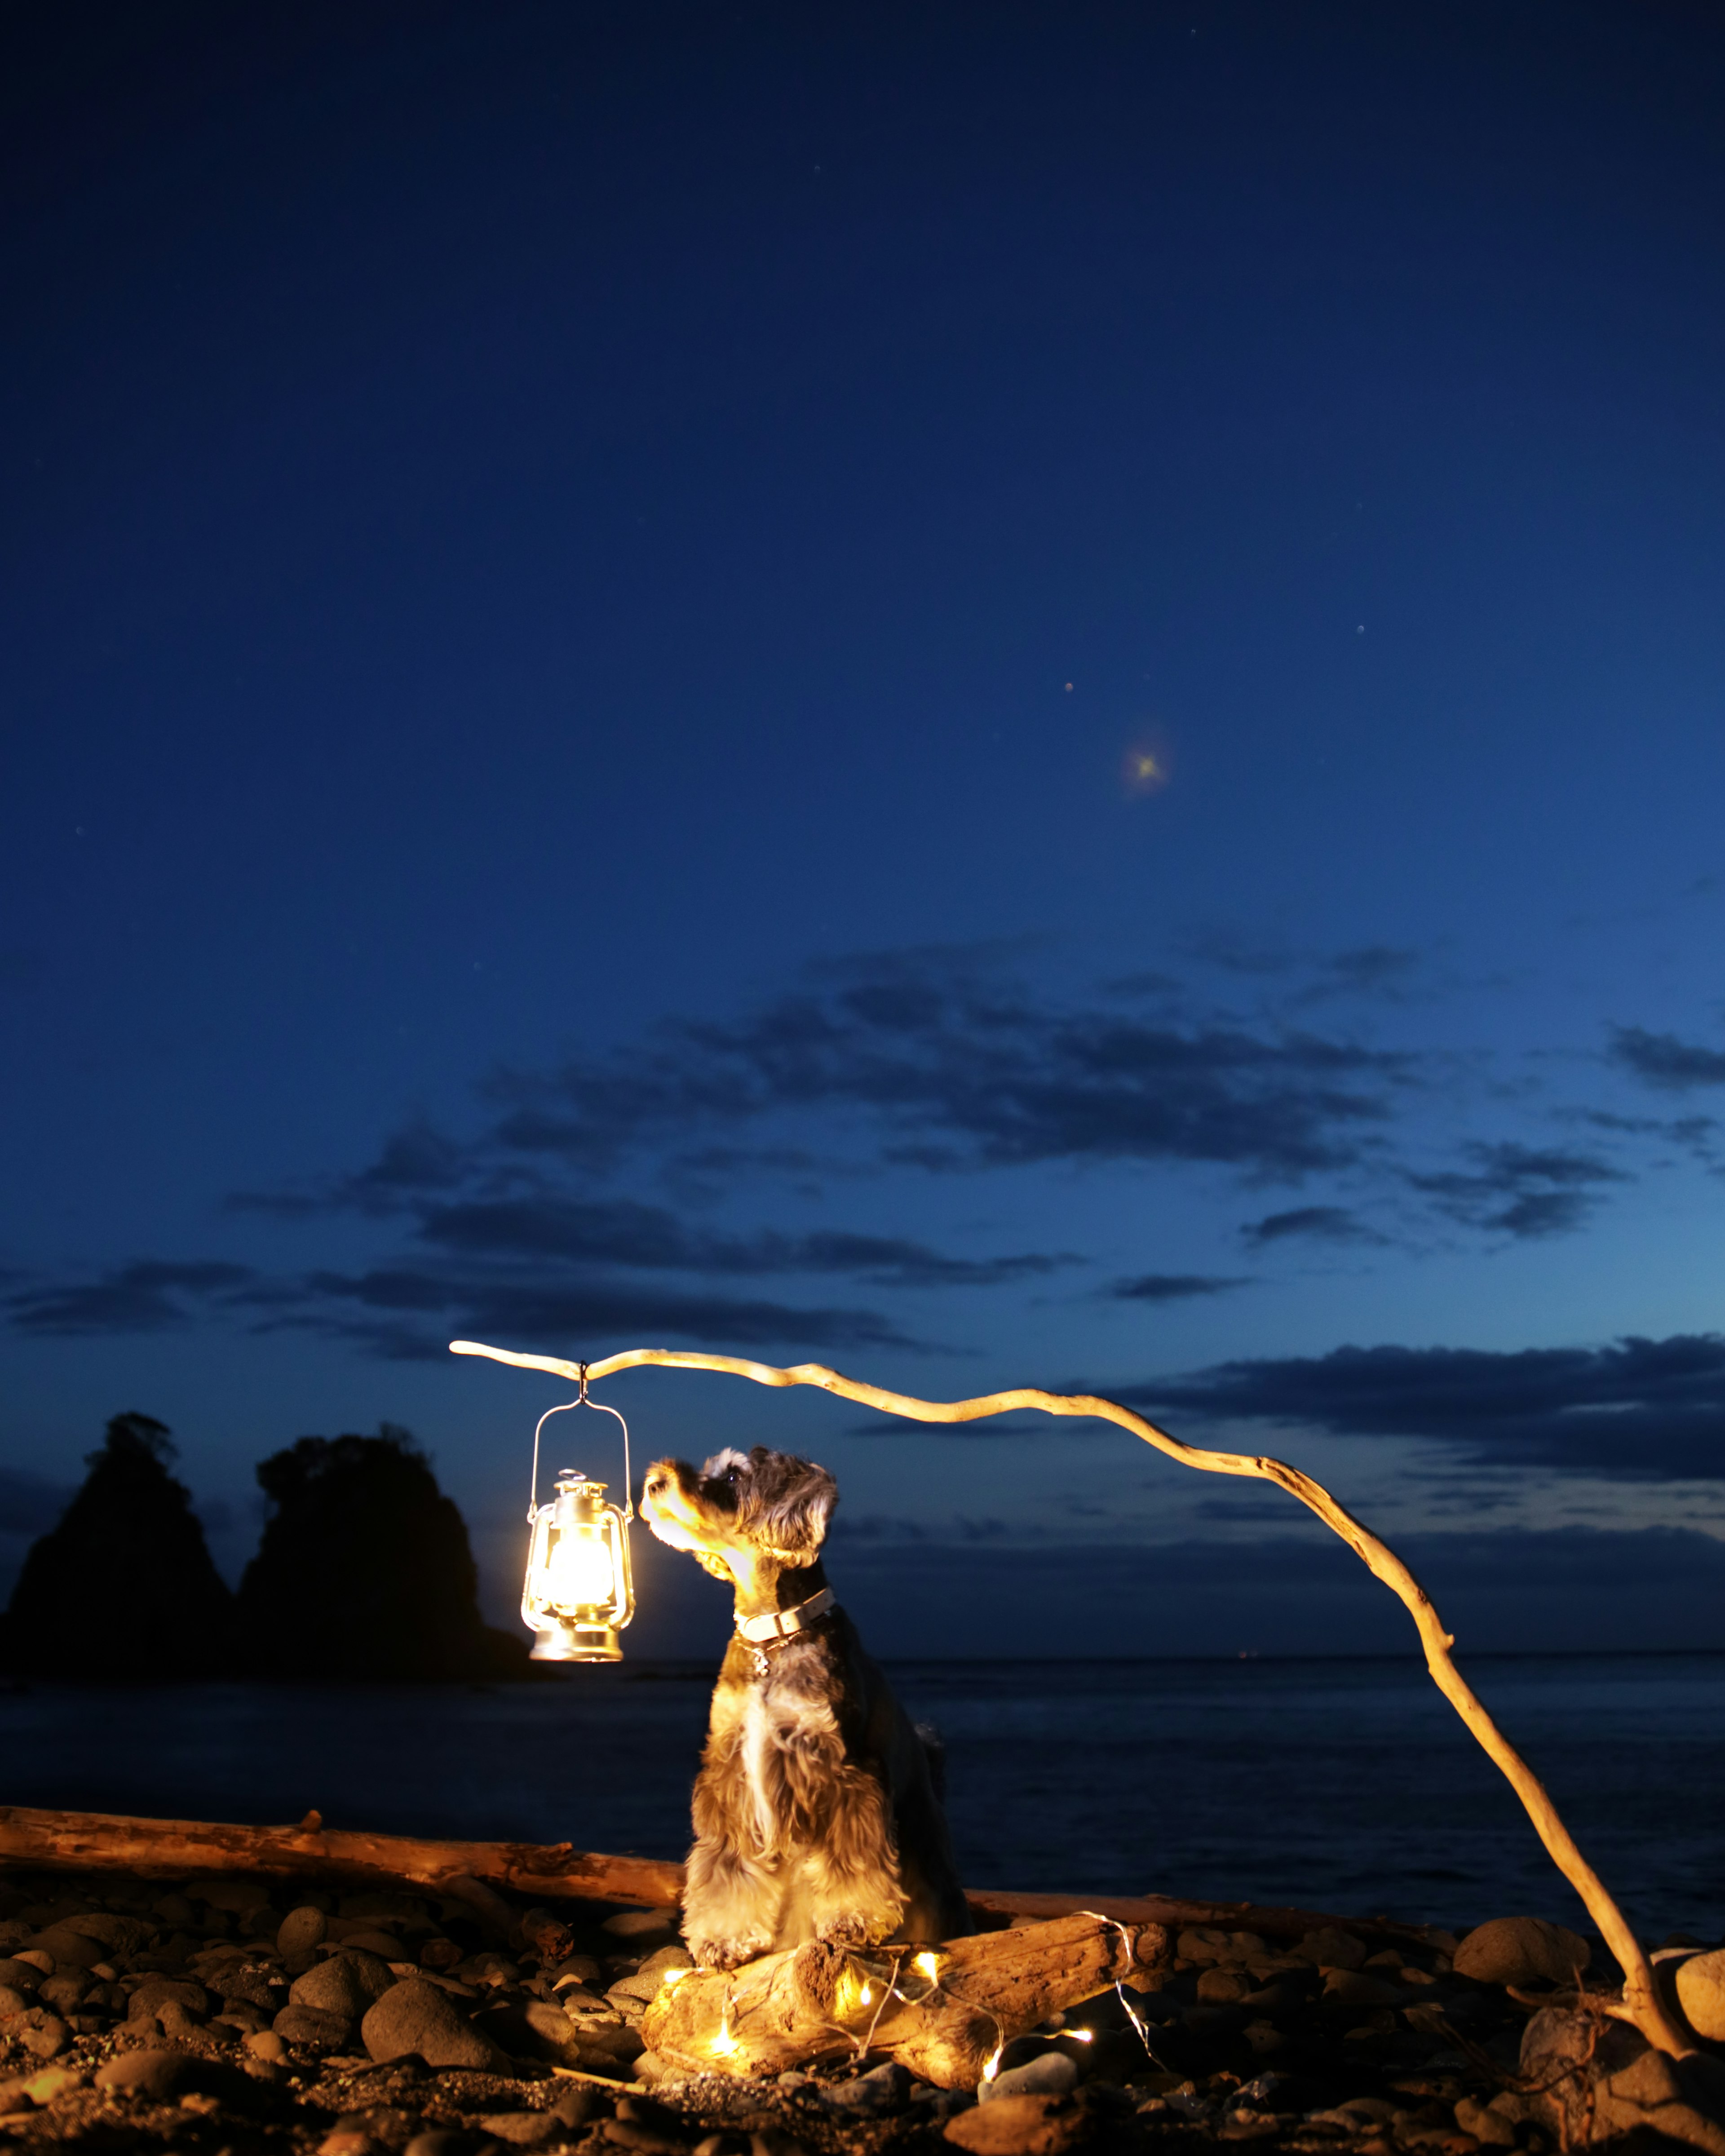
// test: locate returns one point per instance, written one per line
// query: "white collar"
(780, 1624)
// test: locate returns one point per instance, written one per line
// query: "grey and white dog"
(816, 1810)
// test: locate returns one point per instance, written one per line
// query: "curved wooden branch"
(1640, 1992)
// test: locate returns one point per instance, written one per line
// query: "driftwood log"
(947, 2014)
(1642, 2002)
(175, 1848)
(162, 1849)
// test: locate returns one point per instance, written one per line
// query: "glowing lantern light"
(577, 1595)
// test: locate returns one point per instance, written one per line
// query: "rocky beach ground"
(230, 2016)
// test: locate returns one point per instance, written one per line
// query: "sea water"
(1347, 1786)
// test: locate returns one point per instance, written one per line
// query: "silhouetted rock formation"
(124, 1587)
(364, 1570)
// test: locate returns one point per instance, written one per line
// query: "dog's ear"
(793, 1523)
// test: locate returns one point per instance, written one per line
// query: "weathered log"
(99, 1841)
(102, 1841)
(945, 2013)
(1269, 1923)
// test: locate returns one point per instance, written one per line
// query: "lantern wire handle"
(599, 1408)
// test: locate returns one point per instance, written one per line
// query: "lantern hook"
(598, 1407)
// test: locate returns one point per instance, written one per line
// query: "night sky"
(1000, 694)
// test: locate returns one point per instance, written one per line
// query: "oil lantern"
(577, 1595)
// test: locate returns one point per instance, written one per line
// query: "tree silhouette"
(124, 1587)
(364, 1569)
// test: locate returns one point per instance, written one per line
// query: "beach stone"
(119, 1935)
(151, 2074)
(1224, 1987)
(1053, 2073)
(441, 2141)
(71, 1949)
(347, 1983)
(21, 1975)
(413, 2015)
(300, 1930)
(268, 2044)
(879, 2093)
(317, 2027)
(522, 2129)
(1489, 2127)
(372, 1941)
(15, 1933)
(158, 1991)
(1521, 1950)
(1018, 2126)
(64, 1994)
(43, 2034)
(250, 1987)
(12, 2000)
(1331, 1947)
(1358, 1987)
(33, 1958)
(1700, 1994)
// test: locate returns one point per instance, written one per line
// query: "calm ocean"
(1341, 1785)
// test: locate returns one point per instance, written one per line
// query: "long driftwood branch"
(947, 2014)
(98, 1842)
(171, 1849)
(1640, 1992)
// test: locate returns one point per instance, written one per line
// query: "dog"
(816, 1811)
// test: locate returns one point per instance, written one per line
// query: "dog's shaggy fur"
(816, 1814)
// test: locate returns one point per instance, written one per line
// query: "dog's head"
(741, 1510)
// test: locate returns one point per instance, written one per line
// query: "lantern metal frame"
(578, 1631)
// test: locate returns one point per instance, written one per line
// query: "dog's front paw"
(728, 1954)
(842, 1929)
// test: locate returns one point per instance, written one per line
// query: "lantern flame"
(927, 1964)
(992, 2066)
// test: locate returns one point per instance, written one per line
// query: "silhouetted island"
(124, 1587)
(364, 1570)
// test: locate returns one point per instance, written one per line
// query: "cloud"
(1518, 1190)
(386, 1308)
(1640, 1410)
(625, 1232)
(1663, 1059)
(1323, 1223)
(148, 1295)
(1173, 1287)
(951, 1068)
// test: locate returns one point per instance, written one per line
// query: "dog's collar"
(781, 1624)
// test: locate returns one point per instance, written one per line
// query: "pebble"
(523, 2129)
(415, 2016)
(879, 2093)
(318, 2028)
(1521, 1950)
(301, 1929)
(151, 2074)
(1700, 1994)
(347, 1983)
(1018, 2126)
(1053, 2073)
(267, 2044)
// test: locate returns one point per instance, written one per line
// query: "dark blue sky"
(587, 592)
